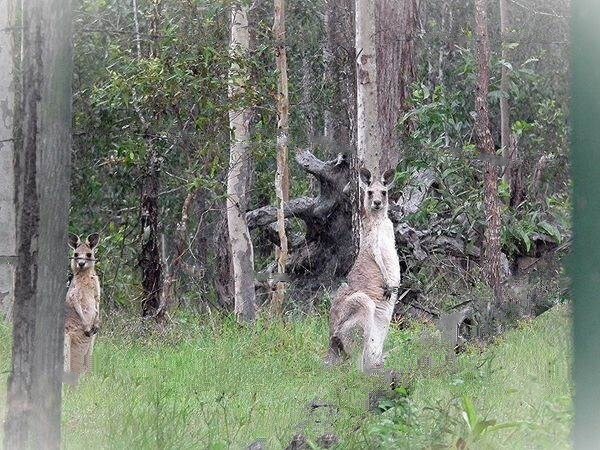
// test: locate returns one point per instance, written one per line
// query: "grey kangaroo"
(366, 302)
(82, 309)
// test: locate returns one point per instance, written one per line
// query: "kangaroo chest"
(84, 291)
(386, 243)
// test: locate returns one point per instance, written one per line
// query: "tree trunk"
(8, 248)
(242, 253)
(282, 176)
(397, 22)
(491, 245)
(339, 116)
(368, 134)
(324, 253)
(150, 256)
(42, 179)
(507, 149)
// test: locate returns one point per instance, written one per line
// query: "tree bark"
(283, 128)
(242, 252)
(491, 245)
(42, 179)
(505, 138)
(339, 116)
(8, 231)
(150, 256)
(368, 133)
(397, 22)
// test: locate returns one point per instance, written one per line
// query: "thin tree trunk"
(242, 252)
(156, 281)
(150, 257)
(282, 175)
(368, 134)
(368, 142)
(42, 179)
(491, 244)
(8, 245)
(507, 154)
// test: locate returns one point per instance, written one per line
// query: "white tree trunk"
(282, 175)
(42, 178)
(242, 253)
(368, 135)
(7, 188)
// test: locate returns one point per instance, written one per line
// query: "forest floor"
(214, 384)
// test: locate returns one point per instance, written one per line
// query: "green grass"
(217, 385)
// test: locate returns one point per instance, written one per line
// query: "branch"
(298, 207)
(320, 169)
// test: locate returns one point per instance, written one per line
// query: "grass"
(214, 384)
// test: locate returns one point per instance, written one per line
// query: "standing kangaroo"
(82, 313)
(366, 302)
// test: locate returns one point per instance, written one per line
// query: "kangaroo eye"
(89, 255)
(76, 255)
(383, 193)
(370, 193)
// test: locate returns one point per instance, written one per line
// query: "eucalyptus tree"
(42, 179)
(7, 188)
(242, 251)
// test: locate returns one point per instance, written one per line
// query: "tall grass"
(210, 383)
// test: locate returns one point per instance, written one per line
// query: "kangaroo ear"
(93, 239)
(365, 176)
(388, 178)
(74, 241)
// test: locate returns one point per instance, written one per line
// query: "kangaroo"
(82, 313)
(366, 302)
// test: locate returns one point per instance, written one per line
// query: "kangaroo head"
(83, 256)
(376, 191)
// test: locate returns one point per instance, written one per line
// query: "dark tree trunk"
(397, 22)
(491, 245)
(339, 75)
(325, 252)
(150, 256)
(42, 180)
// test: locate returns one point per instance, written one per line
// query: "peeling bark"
(368, 133)
(283, 129)
(242, 252)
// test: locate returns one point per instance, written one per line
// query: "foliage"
(516, 394)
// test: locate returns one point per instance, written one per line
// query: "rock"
(299, 442)
(328, 440)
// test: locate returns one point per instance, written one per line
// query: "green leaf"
(551, 230)
(524, 238)
(469, 413)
